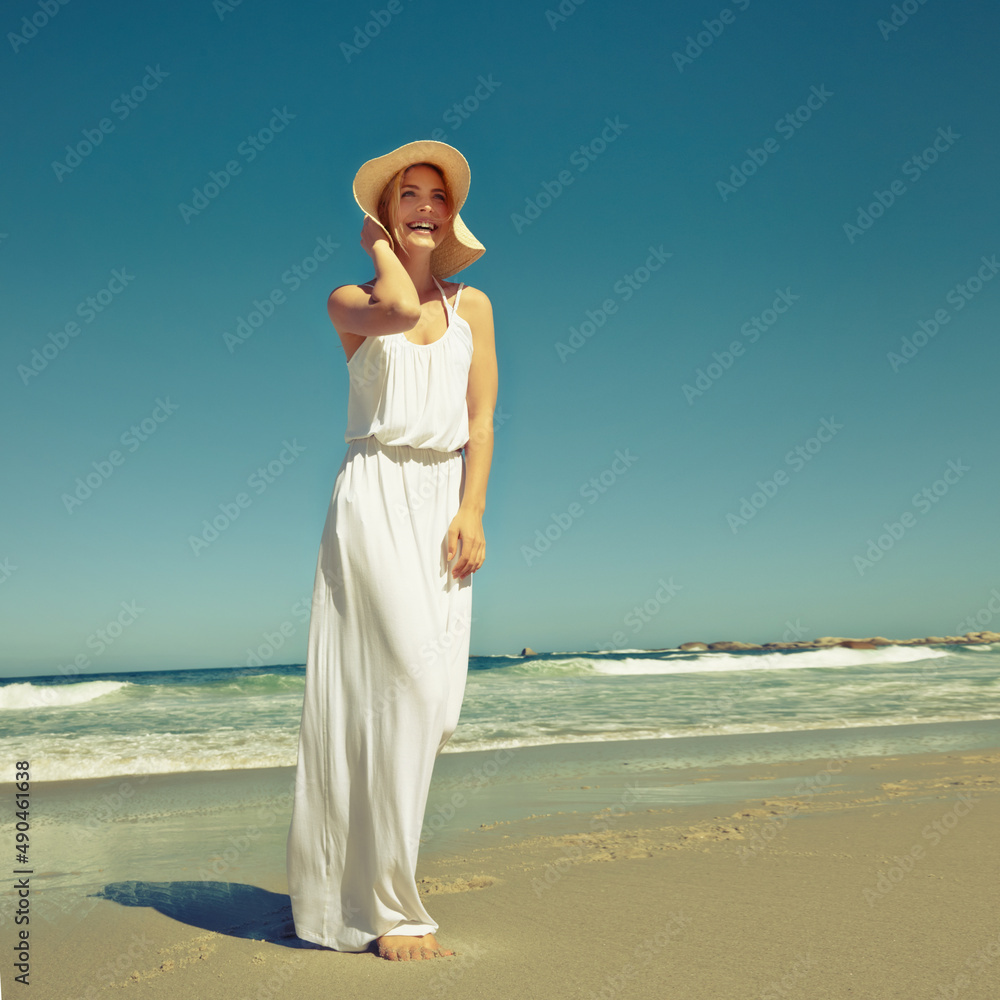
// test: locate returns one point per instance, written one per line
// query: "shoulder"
(477, 310)
(471, 294)
(475, 304)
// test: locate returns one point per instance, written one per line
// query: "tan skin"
(403, 298)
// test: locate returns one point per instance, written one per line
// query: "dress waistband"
(401, 452)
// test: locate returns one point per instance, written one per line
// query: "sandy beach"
(705, 868)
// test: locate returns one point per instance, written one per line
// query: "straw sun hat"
(459, 248)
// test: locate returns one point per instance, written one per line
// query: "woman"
(389, 632)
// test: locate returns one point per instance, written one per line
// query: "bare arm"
(392, 306)
(481, 398)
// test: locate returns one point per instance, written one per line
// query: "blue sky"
(743, 271)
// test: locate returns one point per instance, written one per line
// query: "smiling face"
(421, 217)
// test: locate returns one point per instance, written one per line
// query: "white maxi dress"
(388, 644)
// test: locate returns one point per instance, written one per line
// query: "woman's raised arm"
(393, 305)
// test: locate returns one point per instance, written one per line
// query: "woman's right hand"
(371, 233)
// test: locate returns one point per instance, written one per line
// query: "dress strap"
(448, 305)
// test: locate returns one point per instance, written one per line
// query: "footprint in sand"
(434, 886)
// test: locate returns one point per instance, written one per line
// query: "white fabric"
(388, 652)
(413, 394)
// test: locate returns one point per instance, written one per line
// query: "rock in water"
(528, 651)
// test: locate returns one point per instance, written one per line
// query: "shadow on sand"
(232, 908)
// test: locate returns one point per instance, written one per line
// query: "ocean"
(208, 720)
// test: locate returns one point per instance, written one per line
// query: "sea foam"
(27, 695)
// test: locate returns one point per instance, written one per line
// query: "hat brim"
(459, 248)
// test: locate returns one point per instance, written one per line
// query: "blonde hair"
(388, 202)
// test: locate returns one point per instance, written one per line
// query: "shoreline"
(728, 868)
(673, 751)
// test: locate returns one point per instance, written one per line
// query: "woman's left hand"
(466, 526)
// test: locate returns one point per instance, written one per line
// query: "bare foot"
(398, 948)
